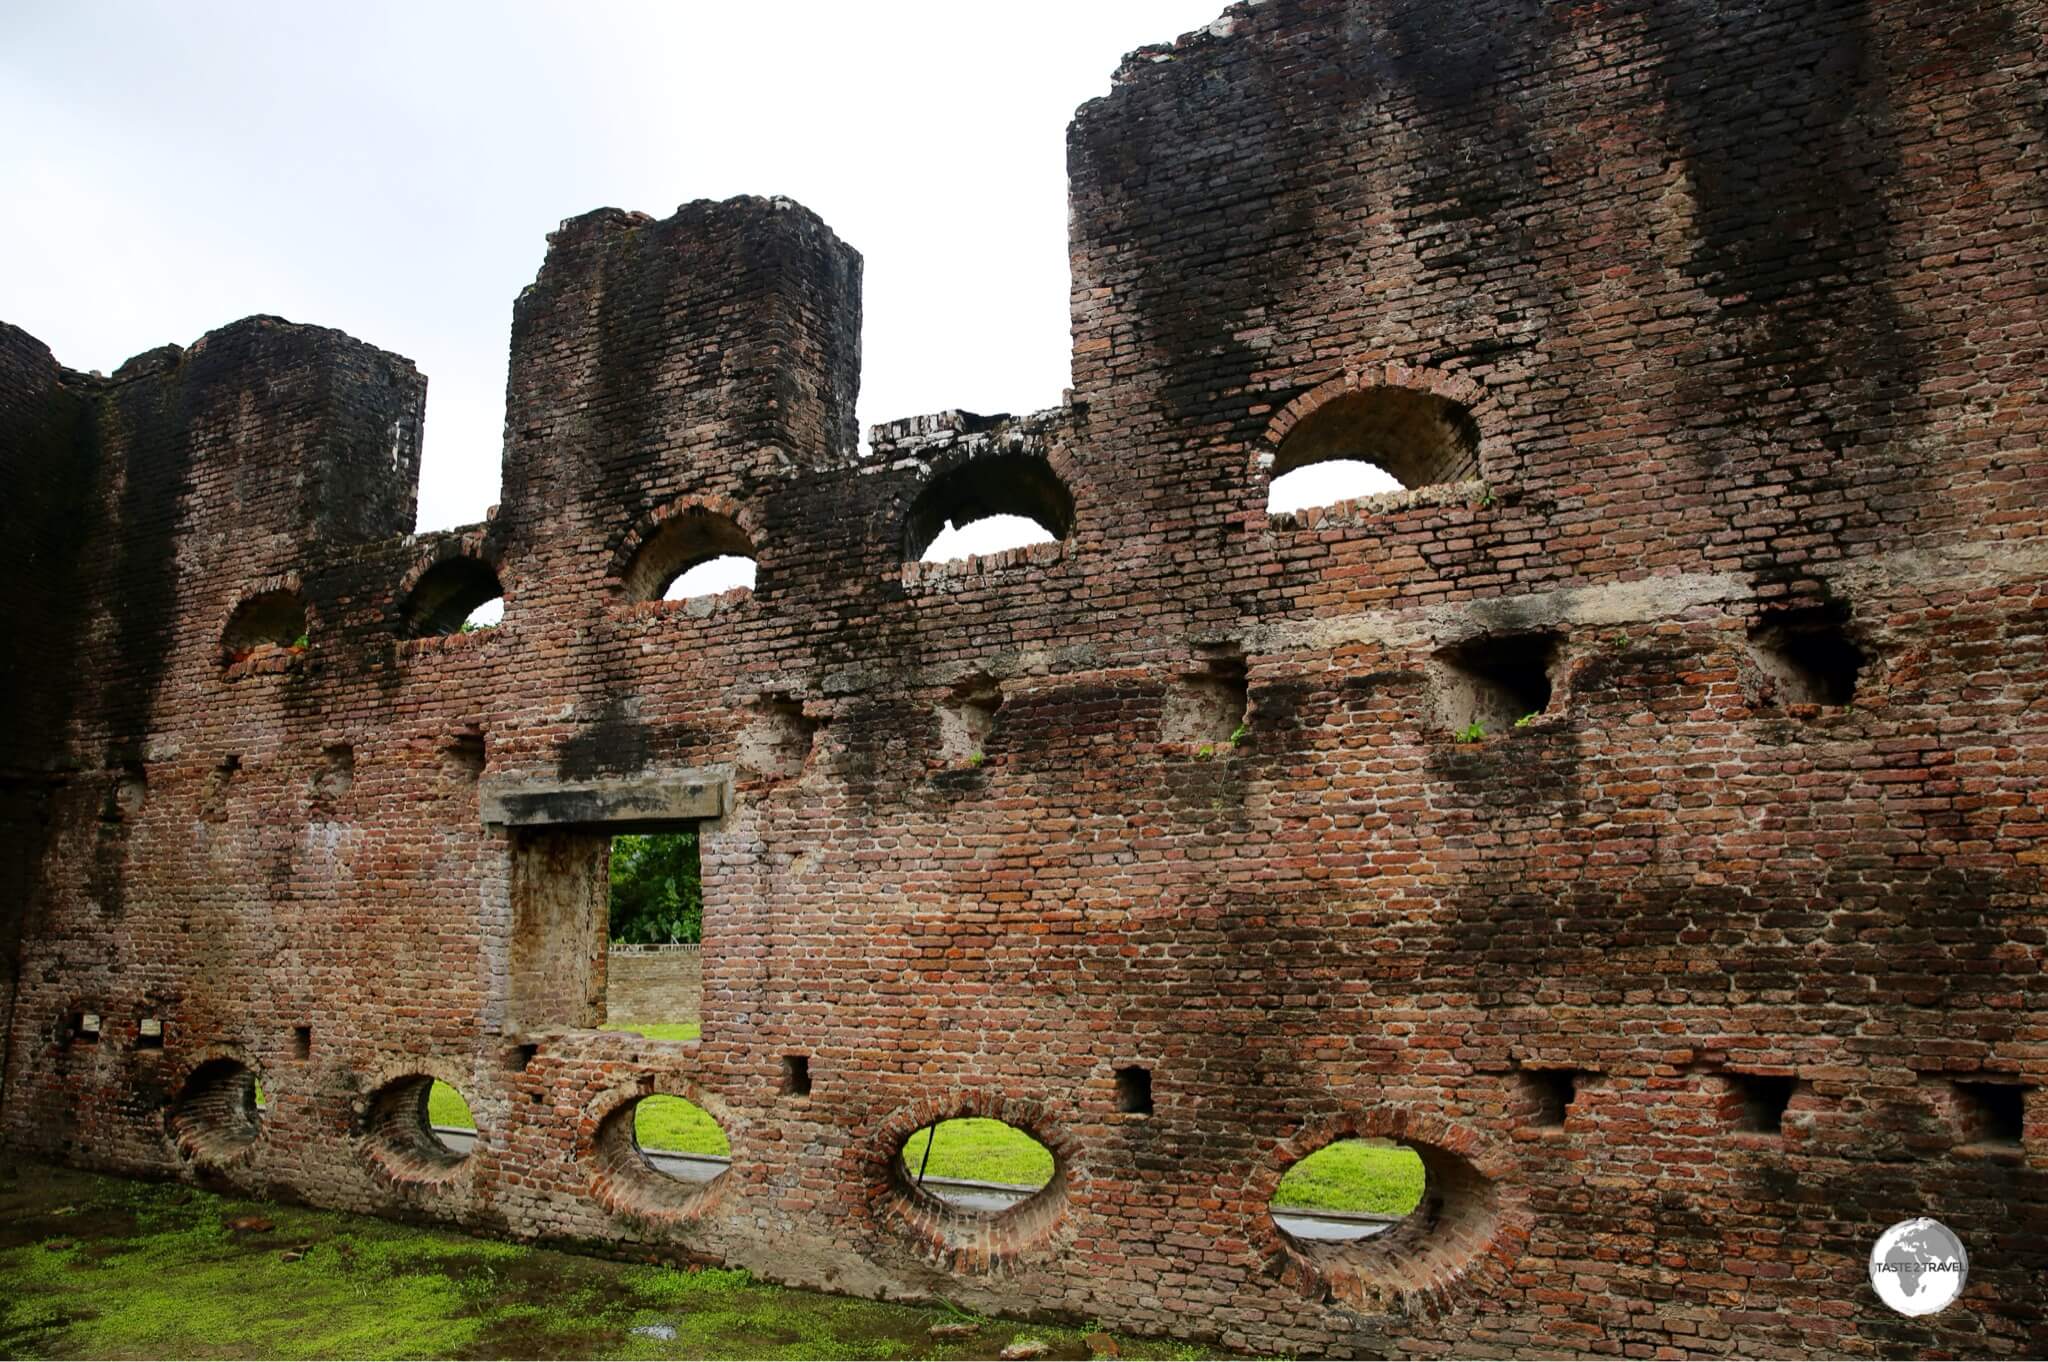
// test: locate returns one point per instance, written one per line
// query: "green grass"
(94, 1266)
(445, 1107)
(1355, 1175)
(979, 1150)
(678, 1126)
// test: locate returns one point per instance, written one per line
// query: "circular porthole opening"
(679, 1139)
(1350, 1190)
(1381, 1223)
(976, 1165)
(217, 1116)
(661, 1158)
(419, 1129)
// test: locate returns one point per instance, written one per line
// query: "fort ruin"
(1641, 814)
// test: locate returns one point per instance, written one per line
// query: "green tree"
(657, 892)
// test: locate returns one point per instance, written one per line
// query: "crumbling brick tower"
(1708, 339)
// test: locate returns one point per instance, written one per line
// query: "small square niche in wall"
(149, 1033)
(796, 1075)
(1134, 1090)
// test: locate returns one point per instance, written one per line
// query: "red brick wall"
(1743, 302)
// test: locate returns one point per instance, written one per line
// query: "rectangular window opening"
(85, 1027)
(519, 1057)
(1992, 1113)
(607, 923)
(302, 1042)
(796, 1075)
(1134, 1090)
(149, 1033)
(655, 915)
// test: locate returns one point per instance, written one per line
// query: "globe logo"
(1918, 1266)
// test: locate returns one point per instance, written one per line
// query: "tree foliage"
(657, 894)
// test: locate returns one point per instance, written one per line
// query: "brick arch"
(644, 531)
(1420, 396)
(1459, 1244)
(247, 655)
(621, 1180)
(478, 547)
(957, 1240)
(1040, 501)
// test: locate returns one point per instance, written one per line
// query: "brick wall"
(654, 984)
(1727, 322)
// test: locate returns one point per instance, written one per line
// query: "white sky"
(393, 170)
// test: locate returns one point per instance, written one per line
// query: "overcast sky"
(393, 170)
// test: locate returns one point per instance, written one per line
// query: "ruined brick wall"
(1710, 338)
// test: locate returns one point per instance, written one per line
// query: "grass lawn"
(980, 1151)
(94, 1266)
(676, 1126)
(1355, 1175)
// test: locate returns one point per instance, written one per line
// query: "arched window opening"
(992, 534)
(272, 619)
(696, 553)
(457, 596)
(1348, 1190)
(679, 1139)
(1373, 440)
(1004, 502)
(976, 1165)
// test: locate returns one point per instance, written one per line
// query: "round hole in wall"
(659, 1156)
(217, 1116)
(976, 1165)
(1350, 1189)
(679, 1139)
(983, 1185)
(449, 1121)
(1378, 1220)
(418, 1130)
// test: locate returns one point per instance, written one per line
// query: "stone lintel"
(673, 796)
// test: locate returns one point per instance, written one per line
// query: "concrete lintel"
(674, 796)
